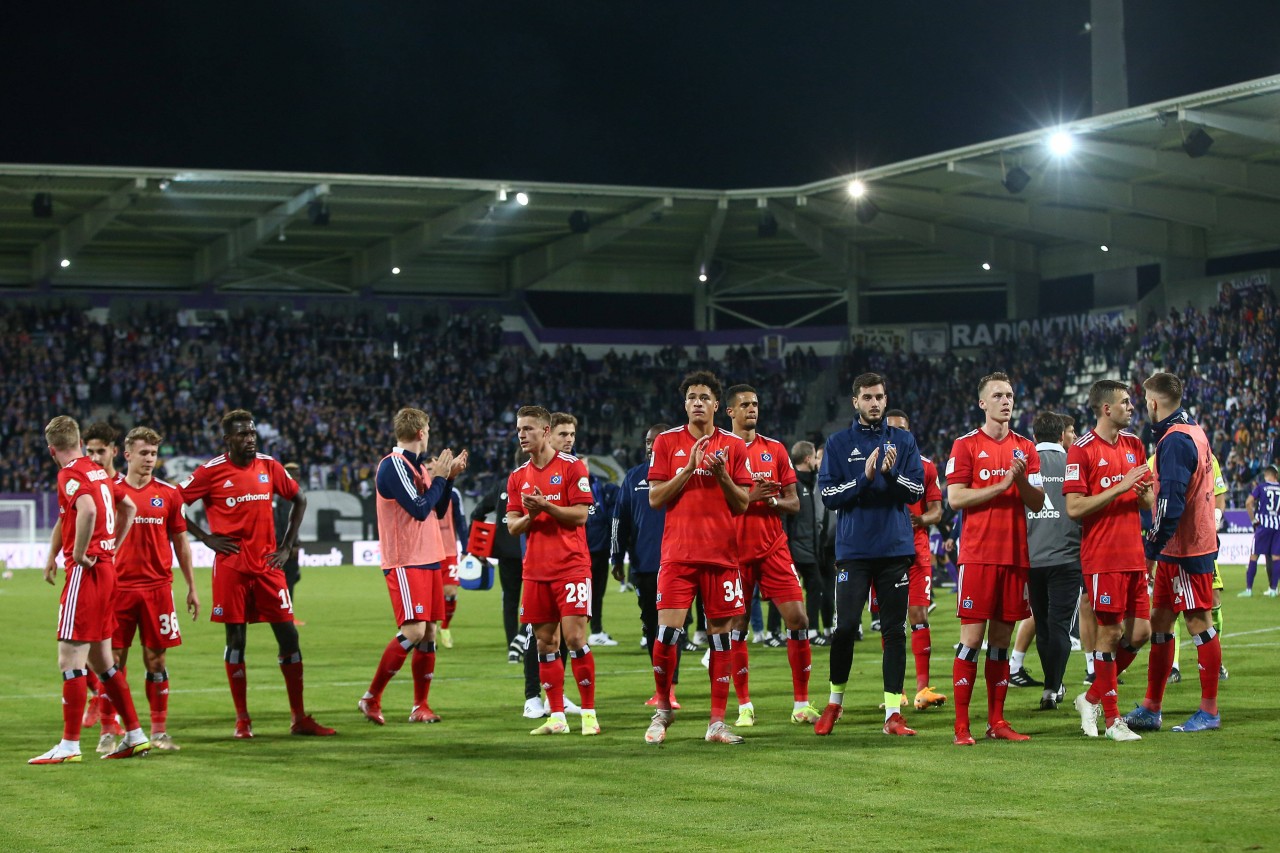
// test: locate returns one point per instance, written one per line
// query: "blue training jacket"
(872, 519)
(637, 527)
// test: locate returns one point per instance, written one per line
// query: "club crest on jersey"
(766, 457)
(1128, 457)
(889, 447)
(1019, 454)
(263, 478)
(72, 486)
(417, 608)
(217, 610)
(967, 604)
(157, 502)
(1104, 599)
(555, 479)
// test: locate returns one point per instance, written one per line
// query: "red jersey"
(553, 550)
(931, 493)
(79, 477)
(145, 558)
(995, 533)
(699, 526)
(1111, 538)
(238, 503)
(760, 527)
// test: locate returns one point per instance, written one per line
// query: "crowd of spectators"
(1228, 358)
(324, 389)
(940, 394)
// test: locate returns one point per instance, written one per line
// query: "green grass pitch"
(478, 781)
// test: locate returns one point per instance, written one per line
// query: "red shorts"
(920, 593)
(417, 595)
(992, 592)
(776, 575)
(543, 602)
(151, 612)
(85, 614)
(450, 567)
(1123, 593)
(1180, 591)
(721, 588)
(240, 597)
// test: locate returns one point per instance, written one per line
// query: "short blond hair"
(62, 433)
(408, 422)
(144, 434)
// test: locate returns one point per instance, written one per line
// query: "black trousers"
(510, 573)
(646, 584)
(1055, 595)
(825, 606)
(599, 584)
(854, 580)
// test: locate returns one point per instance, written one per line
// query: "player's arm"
(574, 515)
(1249, 506)
(126, 512)
(395, 482)
(182, 549)
(1029, 483)
(904, 474)
(290, 541)
(663, 492)
(1081, 506)
(518, 523)
(966, 497)
(1175, 462)
(216, 542)
(736, 496)
(55, 545)
(838, 486)
(932, 515)
(620, 533)
(787, 503)
(86, 517)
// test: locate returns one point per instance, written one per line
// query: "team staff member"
(90, 527)
(144, 601)
(637, 536)
(871, 473)
(409, 512)
(248, 580)
(1053, 547)
(994, 477)
(1183, 545)
(804, 531)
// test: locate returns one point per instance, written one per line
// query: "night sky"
(692, 94)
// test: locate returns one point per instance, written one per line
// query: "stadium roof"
(1135, 181)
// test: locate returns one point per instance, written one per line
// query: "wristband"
(773, 501)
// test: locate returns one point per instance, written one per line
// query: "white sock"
(135, 736)
(836, 698)
(889, 712)
(559, 715)
(1015, 661)
(800, 705)
(1088, 664)
(745, 706)
(69, 746)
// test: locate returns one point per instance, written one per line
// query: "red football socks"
(393, 657)
(921, 645)
(424, 671)
(113, 684)
(75, 690)
(800, 656)
(584, 672)
(551, 672)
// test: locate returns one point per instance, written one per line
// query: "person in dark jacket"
(804, 530)
(871, 473)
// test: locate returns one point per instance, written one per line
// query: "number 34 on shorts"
(733, 591)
